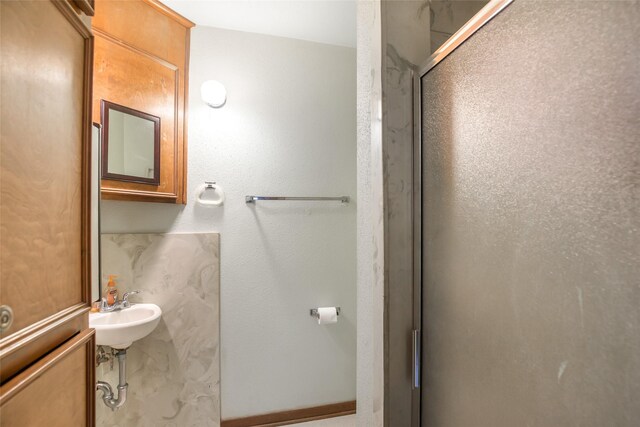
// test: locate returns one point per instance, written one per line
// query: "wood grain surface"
(55, 391)
(42, 154)
(148, 71)
(294, 416)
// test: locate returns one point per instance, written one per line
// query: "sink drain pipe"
(107, 392)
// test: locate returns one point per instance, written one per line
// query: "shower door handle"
(415, 375)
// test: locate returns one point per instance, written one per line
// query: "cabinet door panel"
(127, 76)
(147, 70)
(44, 82)
(55, 391)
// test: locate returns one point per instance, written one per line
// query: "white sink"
(119, 329)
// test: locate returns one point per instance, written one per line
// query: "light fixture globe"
(213, 93)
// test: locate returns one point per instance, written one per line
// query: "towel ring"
(210, 185)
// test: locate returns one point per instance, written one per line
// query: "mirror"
(130, 144)
(448, 16)
(96, 272)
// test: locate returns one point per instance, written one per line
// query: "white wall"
(288, 128)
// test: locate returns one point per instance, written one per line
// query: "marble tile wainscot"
(174, 373)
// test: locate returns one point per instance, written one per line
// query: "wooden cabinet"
(46, 58)
(58, 390)
(141, 62)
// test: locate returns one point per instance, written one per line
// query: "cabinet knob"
(6, 317)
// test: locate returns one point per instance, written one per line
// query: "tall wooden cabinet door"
(55, 391)
(46, 56)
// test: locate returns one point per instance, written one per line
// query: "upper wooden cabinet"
(141, 62)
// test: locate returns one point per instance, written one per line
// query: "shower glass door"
(530, 221)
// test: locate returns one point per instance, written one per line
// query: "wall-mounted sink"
(119, 329)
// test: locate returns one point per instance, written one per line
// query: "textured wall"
(370, 239)
(288, 128)
(448, 16)
(173, 373)
(532, 221)
(405, 33)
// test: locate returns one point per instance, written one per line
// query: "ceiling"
(323, 21)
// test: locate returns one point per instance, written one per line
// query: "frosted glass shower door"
(531, 221)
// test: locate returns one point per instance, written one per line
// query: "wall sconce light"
(213, 93)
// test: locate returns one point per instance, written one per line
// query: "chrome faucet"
(118, 305)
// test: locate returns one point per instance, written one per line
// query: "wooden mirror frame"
(105, 106)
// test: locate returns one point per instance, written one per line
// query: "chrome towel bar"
(253, 199)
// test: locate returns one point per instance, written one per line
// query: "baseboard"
(284, 418)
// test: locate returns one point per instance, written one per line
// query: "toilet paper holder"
(314, 312)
